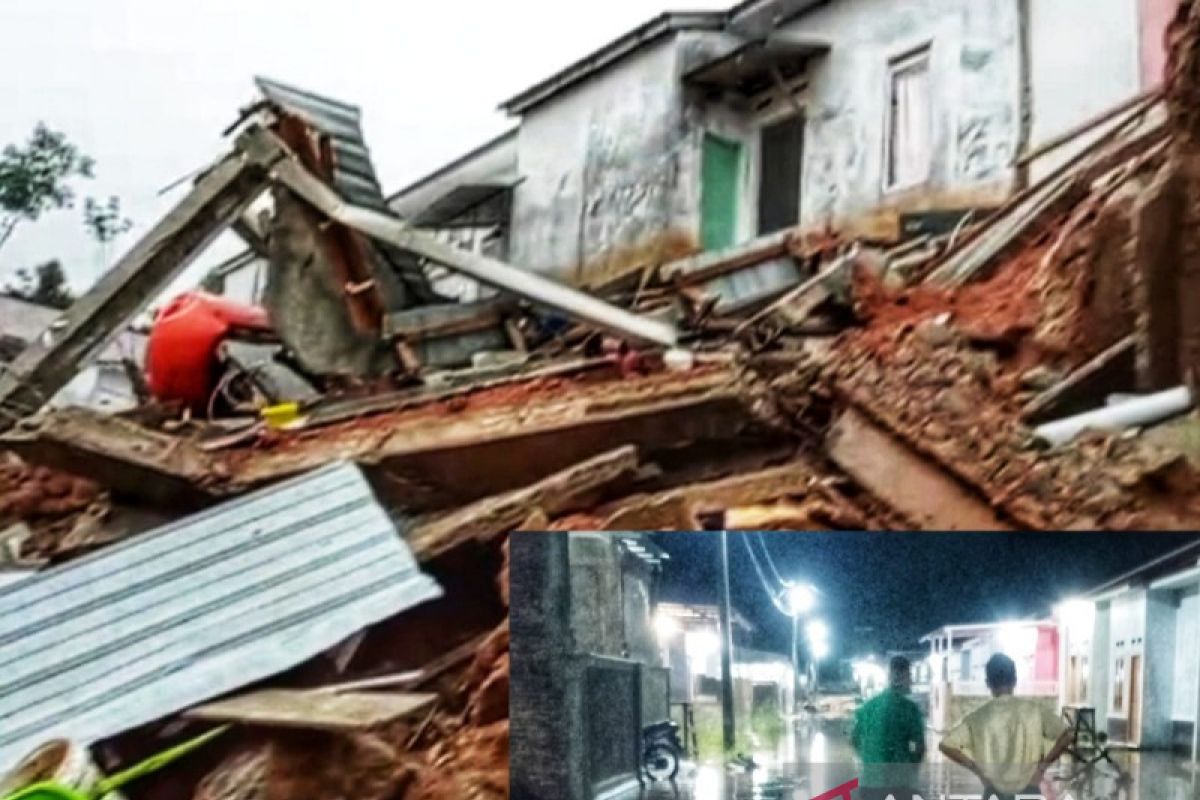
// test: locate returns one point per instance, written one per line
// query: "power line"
(762, 542)
(762, 576)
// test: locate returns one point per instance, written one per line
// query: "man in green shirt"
(889, 735)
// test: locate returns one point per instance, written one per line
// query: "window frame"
(910, 57)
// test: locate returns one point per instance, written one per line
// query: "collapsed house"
(1020, 360)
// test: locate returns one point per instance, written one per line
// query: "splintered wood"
(317, 710)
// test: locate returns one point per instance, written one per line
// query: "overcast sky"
(146, 86)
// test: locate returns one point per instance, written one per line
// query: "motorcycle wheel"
(660, 762)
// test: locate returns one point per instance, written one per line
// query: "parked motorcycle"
(662, 751)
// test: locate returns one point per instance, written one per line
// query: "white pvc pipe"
(486, 270)
(1132, 414)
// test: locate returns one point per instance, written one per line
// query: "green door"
(718, 196)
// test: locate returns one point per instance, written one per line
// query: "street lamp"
(817, 631)
(666, 626)
(799, 598)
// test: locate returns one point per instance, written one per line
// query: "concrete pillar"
(545, 737)
(1196, 713)
(1099, 690)
(1158, 658)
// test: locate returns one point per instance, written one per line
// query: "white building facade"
(703, 131)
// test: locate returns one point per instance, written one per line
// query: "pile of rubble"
(798, 381)
(458, 748)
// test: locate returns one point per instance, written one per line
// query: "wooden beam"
(1136, 103)
(675, 509)
(563, 491)
(94, 320)
(313, 709)
(1082, 380)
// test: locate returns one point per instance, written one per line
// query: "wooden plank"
(1082, 380)
(992, 238)
(674, 509)
(798, 304)
(432, 322)
(313, 709)
(561, 492)
(1136, 103)
(703, 267)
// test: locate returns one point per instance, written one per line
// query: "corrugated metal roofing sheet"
(354, 175)
(198, 608)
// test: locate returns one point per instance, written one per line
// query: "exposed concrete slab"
(126, 458)
(914, 486)
(464, 455)
(424, 458)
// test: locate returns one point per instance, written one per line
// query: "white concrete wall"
(1086, 59)
(1187, 659)
(600, 166)
(974, 69)
(1127, 636)
(611, 167)
(1159, 684)
(1099, 684)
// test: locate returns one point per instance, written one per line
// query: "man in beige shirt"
(1010, 741)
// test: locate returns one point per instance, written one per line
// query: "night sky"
(885, 591)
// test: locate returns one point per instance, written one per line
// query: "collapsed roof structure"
(806, 380)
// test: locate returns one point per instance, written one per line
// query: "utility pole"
(795, 662)
(727, 722)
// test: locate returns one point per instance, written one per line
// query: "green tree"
(35, 178)
(46, 286)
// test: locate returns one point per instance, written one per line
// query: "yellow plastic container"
(282, 415)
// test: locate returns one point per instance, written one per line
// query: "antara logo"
(843, 793)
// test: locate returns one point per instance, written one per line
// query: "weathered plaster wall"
(974, 73)
(1162, 611)
(1187, 659)
(596, 608)
(601, 171)
(1084, 62)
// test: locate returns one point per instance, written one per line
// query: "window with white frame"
(909, 122)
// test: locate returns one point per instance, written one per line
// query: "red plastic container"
(181, 354)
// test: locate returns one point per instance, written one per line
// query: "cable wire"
(762, 577)
(762, 542)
